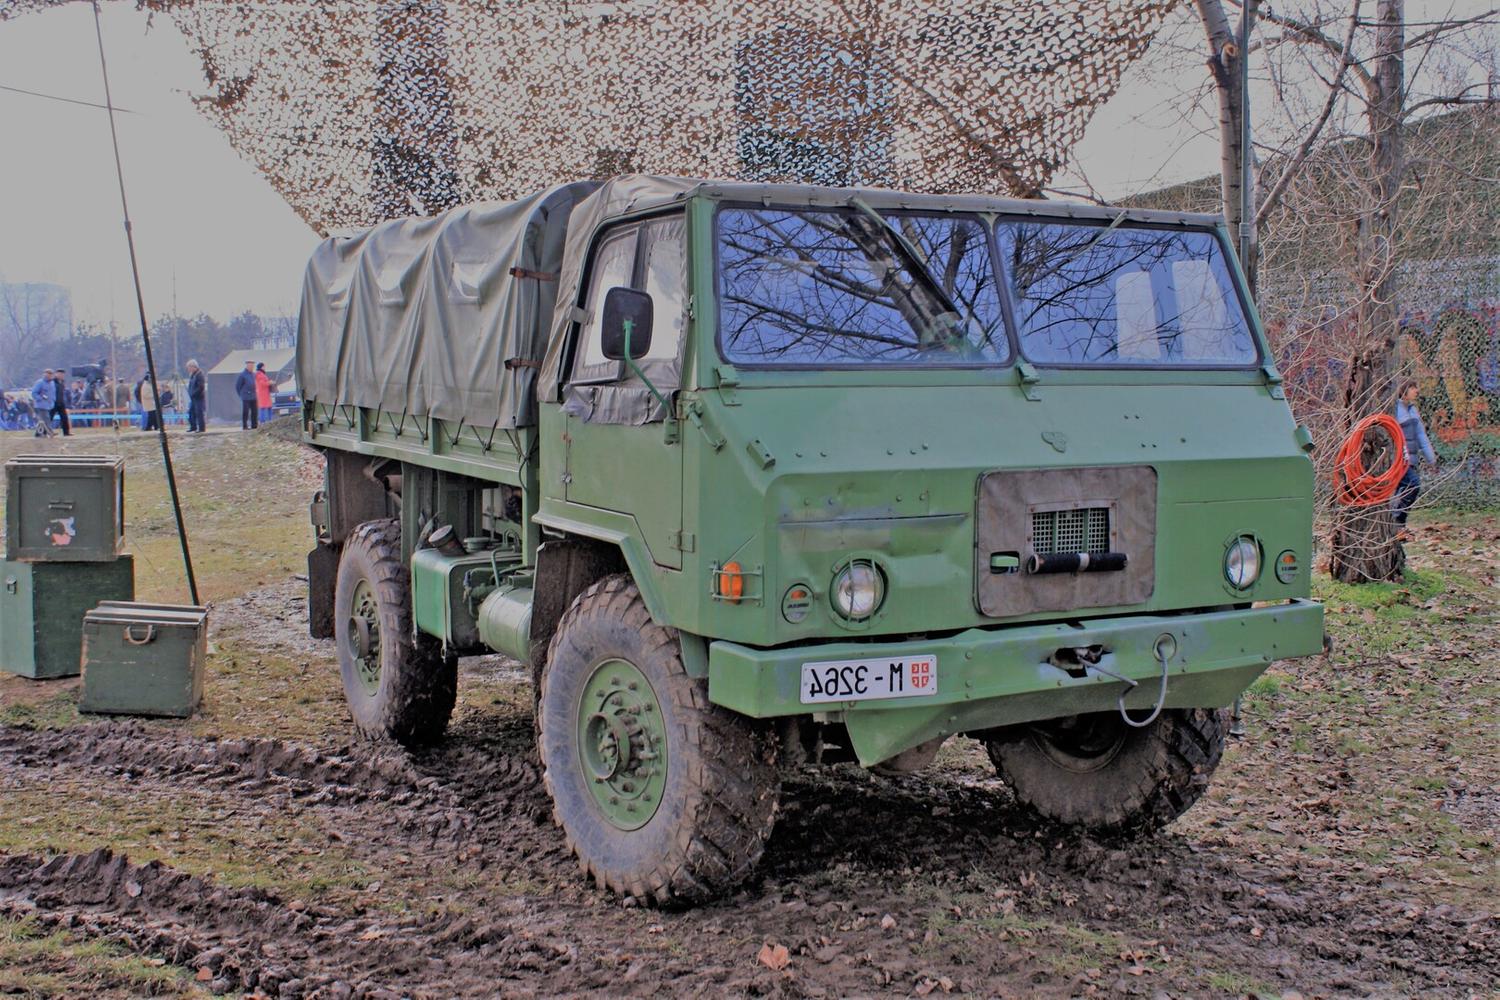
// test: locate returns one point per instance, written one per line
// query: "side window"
(614, 265)
(649, 257)
(666, 283)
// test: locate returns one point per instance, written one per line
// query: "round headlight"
(1242, 563)
(857, 590)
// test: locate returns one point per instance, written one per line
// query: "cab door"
(618, 455)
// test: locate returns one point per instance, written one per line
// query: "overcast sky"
(205, 215)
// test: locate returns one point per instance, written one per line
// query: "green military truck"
(753, 474)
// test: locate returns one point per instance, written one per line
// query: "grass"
(37, 963)
(244, 499)
(1360, 757)
(274, 850)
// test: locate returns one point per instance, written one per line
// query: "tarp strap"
(511, 364)
(521, 272)
(483, 443)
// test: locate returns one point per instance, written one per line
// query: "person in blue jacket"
(43, 399)
(1417, 448)
(244, 387)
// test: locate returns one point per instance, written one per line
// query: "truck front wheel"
(662, 796)
(1096, 773)
(399, 685)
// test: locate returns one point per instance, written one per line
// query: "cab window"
(647, 257)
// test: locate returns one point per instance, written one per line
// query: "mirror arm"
(635, 369)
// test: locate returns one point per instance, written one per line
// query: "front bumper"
(1002, 676)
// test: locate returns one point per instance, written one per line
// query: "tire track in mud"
(248, 939)
(475, 807)
(477, 800)
(1314, 926)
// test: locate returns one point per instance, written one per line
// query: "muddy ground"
(1347, 847)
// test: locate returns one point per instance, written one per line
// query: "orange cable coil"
(1357, 486)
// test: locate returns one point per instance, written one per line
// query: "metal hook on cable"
(1161, 695)
(1165, 646)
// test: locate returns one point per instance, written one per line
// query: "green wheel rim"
(364, 637)
(622, 744)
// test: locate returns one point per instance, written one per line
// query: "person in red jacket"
(263, 389)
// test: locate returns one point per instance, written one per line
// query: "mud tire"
(418, 684)
(721, 789)
(1152, 776)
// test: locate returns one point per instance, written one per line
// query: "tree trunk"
(1224, 62)
(1364, 545)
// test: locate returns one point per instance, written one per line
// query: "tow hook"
(1079, 661)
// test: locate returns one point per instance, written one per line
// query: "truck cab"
(774, 472)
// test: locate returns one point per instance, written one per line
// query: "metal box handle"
(130, 635)
(60, 505)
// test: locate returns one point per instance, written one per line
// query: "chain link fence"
(1449, 345)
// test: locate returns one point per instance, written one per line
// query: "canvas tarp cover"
(419, 316)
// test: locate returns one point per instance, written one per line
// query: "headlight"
(857, 590)
(1242, 562)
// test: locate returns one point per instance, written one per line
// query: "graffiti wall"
(1449, 345)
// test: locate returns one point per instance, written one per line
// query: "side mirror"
(627, 321)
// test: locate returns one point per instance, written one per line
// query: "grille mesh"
(1082, 530)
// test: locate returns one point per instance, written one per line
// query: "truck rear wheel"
(398, 685)
(662, 795)
(1096, 773)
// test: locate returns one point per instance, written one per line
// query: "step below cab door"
(618, 455)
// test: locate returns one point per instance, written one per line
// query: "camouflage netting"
(358, 112)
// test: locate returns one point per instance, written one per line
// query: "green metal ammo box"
(61, 508)
(42, 606)
(144, 659)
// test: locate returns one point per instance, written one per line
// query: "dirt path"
(312, 866)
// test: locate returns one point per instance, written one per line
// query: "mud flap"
(322, 572)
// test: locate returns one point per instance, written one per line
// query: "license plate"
(856, 680)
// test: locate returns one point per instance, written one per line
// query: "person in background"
(197, 392)
(263, 389)
(244, 387)
(60, 402)
(43, 398)
(150, 407)
(1418, 448)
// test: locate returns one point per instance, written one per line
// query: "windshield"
(1089, 294)
(835, 289)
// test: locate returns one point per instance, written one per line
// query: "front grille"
(1085, 529)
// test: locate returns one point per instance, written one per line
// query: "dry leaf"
(775, 956)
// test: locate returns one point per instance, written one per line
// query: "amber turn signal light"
(731, 581)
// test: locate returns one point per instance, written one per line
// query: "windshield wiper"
(952, 317)
(1059, 265)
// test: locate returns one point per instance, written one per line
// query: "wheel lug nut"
(632, 685)
(630, 807)
(614, 800)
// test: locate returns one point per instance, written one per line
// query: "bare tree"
(31, 317)
(1336, 185)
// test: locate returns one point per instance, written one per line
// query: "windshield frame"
(983, 220)
(1231, 264)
